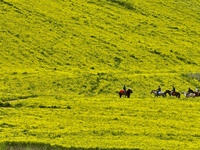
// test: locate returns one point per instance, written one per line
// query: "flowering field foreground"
(103, 122)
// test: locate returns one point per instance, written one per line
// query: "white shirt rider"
(197, 90)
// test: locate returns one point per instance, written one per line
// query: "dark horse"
(177, 94)
(197, 93)
(127, 93)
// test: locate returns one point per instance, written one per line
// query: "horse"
(197, 94)
(177, 94)
(127, 93)
(163, 94)
(189, 94)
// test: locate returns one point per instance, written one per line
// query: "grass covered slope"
(64, 61)
(94, 44)
(111, 34)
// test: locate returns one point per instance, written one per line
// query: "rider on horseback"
(158, 90)
(173, 90)
(197, 91)
(124, 88)
(189, 91)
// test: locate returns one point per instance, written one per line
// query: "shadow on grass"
(42, 146)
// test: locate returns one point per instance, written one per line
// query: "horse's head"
(129, 91)
(153, 91)
(167, 91)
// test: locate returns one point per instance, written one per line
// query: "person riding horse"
(124, 88)
(173, 90)
(189, 91)
(126, 93)
(197, 91)
(158, 90)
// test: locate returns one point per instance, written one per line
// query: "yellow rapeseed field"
(63, 63)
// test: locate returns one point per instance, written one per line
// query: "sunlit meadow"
(63, 63)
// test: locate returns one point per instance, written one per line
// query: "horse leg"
(120, 95)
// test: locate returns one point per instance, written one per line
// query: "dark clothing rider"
(158, 90)
(190, 90)
(173, 90)
(124, 88)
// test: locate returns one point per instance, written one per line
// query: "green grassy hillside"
(60, 53)
(105, 34)
(85, 41)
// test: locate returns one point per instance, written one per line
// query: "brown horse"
(197, 94)
(177, 94)
(127, 93)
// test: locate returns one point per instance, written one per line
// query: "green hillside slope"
(63, 62)
(98, 44)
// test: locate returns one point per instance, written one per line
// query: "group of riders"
(173, 91)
